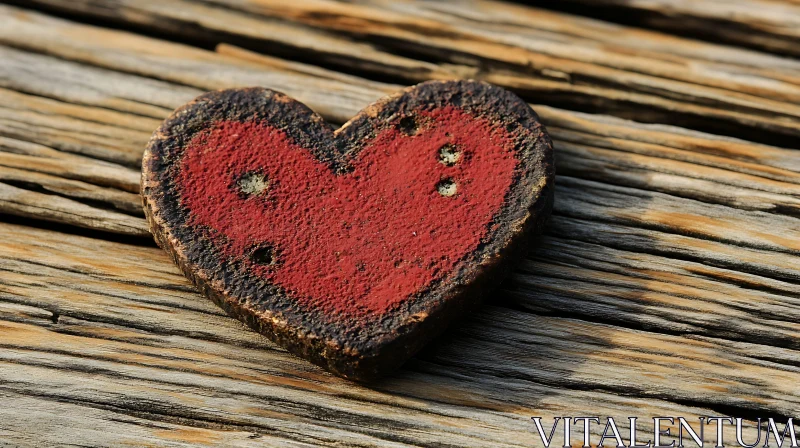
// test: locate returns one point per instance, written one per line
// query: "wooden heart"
(349, 247)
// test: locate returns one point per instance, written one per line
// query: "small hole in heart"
(407, 125)
(449, 154)
(253, 183)
(265, 255)
(447, 187)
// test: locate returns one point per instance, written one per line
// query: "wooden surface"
(769, 25)
(668, 283)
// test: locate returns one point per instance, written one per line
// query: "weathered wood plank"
(124, 201)
(595, 201)
(762, 182)
(69, 114)
(774, 265)
(123, 338)
(655, 292)
(770, 25)
(179, 64)
(667, 282)
(90, 86)
(701, 167)
(49, 207)
(212, 24)
(92, 171)
(80, 424)
(565, 60)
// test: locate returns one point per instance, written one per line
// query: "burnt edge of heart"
(367, 349)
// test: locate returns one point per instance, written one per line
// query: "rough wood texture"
(771, 25)
(667, 284)
(121, 350)
(543, 56)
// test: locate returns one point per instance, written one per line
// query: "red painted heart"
(350, 247)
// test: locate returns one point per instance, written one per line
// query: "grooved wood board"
(769, 25)
(667, 284)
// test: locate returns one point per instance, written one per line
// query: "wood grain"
(668, 282)
(729, 172)
(565, 60)
(671, 171)
(769, 25)
(123, 341)
(179, 64)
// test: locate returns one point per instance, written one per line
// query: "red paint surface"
(359, 242)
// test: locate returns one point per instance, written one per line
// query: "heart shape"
(353, 247)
